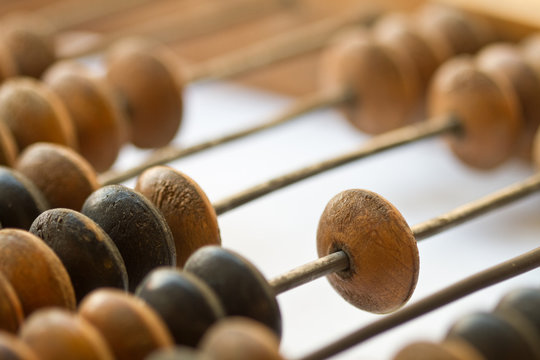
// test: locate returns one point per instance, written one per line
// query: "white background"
(278, 231)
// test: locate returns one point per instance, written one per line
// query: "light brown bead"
(34, 113)
(449, 350)
(28, 45)
(58, 334)
(63, 176)
(100, 125)
(8, 147)
(486, 108)
(144, 76)
(11, 314)
(237, 338)
(131, 328)
(530, 48)
(383, 256)
(384, 86)
(507, 64)
(12, 348)
(34, 271)
(184, 205)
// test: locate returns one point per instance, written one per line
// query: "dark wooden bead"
(34, 113)
(383, 255)
(90, 257)
(8, 147)
(137, 228)
(100, 125)
(238, 338)
(144, 76)
(20, 200)
(12, 348)
(492, 336)
(63, 176)
(131, 328)
(58, 334)
(523, 303)
(35, 272)
(184, 205)
(241, 288)
(11, 313)
(185, 303)
(486, 107)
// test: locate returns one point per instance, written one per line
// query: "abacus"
(277, 232)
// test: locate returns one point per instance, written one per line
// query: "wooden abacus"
(265, 245)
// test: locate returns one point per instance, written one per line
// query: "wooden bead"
(486, 108)
(20, 200)
(382, 251)
(186, 304)
(30, 50)
(131, 328)
(8, 147)
(12, 348)
(137, 228)
(90, 257)
(399, 32)
(241, 288)
(178, 352)
(449, 350)
(505, 62)
(530, 48)
(63, 176)
(100, 125)
(144, 76)
(493, 337)
(34, 113)
(524, 304)
(444, 25)
(58, 334)
(383, 85)
(184, 205)
(34, 271)
(239, 338)
(11, 314)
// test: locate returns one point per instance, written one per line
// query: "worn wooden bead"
(8, 147)
(11, 314)
(12, 348)
(384, 86)
(523, 304)
(100, 124)
(137, 228)
(131, 328)
(90, 257)
(383, 256)
(34, 271)
(34, 113)
(505, 62)
(63, 176)
(185, 303)
(448, 350)
(144, 76)
(184, 205)
(492, 336)
(238, 338)
(240, 287)
(28, 45)
(486, 108)
(20, 200)
(58, 334)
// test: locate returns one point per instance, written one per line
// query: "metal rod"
(303, 106)
(328, 264)
(387, 141)
(493, 275)
(478, 207)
